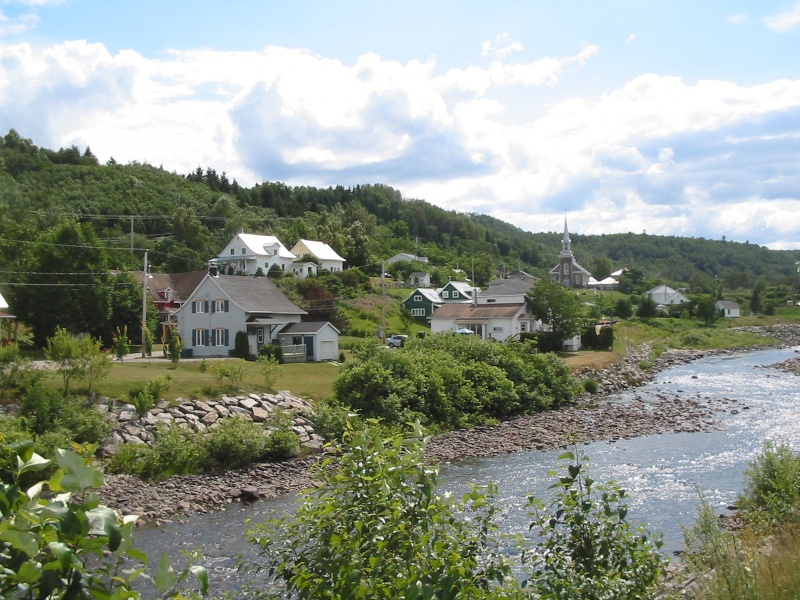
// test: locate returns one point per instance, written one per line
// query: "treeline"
(185, 219)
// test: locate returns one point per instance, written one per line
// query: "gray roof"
(308, 327)
(518, 283)
(729, 304)
(256, 295)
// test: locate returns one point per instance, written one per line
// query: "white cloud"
(785, 21)
(501, 47)
(736, 19)
(631, 38)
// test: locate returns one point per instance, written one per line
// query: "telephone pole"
(144, 306)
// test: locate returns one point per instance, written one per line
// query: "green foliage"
(43, 412)
(274, 351)
(175, 451)
(330, 419)
(269, 368)
(173, 348)
(447, 381)
(623, 308)
(17, 373)
(58, 541)
(145, 399)
(376, 528)
(241, 348)
(706, 309)
(282, 443)
(647, 308)
(557, 307)
(65, 351)
(772, 485)
(591, 386)
(120, 343)
(589, 549)
(228, 374)
(236, 442)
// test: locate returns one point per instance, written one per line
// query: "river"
(663, 474)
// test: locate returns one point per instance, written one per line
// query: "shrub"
(241, 347)
(591, 386)
(228, 374)
(17, 372)
(377, 526)
(772, 485)
(589, 549)
(269, 368)
(282, 444)
(236, 442)
(174, 451)
(274, 351)
(330, 419)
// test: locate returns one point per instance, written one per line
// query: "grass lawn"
(308, 380)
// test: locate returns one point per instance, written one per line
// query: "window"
(445, 294)
(566, 267)
(417, 312)
(491, 300)
(523, 326)
(260, 336)
(497, 329)
(233, 251)
(199, 337)
(417, 298)
(220, 306)
(220, 337)
(199, 306)
(243, 251)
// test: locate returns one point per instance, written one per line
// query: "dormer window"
(244, 250)
(233, 251)
(445, 294)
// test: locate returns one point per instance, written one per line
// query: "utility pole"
(131, 233)
(144, 305)
(383, 302)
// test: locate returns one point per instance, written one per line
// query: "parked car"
(396, 341)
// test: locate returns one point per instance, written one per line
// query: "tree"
(66, 351)
(377, 528)
(601, 268)
(173, 345)
(623, 308)
(557, 307)
(67, 285)
(707, 309)
(647, 308)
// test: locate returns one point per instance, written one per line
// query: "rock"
(249, 494)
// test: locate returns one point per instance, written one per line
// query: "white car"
(396, 341)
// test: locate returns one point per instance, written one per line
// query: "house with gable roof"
(327, 256)
(728, 309)
(664, 296)
(169, 291)
(510, 289)
(222, 305)
(488, 321)
(422, 303)
(457, 291)
(248, 252)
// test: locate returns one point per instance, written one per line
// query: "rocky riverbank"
(592, 418)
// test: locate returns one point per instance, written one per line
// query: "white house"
(664, 296)
(320, 339)
(728, 308)
(326, 255)
(488, 321)
(222, 305)
(405, 256)
(420, 278)
(248, 252)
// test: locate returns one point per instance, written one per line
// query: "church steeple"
(566, 243)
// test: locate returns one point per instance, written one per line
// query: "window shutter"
(194, 306)
(213, 307)
(208, 336)
(226, 332)
(213, 337)
(206, 305)
(226, 306)
(194, 333)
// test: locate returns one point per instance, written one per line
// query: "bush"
(17, 373)
(236, 442)
(282, 444)
(589, 549)
(591, 386)
(175, 451)
(377, 528)
(330, 419)
(241, 348)
(772, 485)
(274, 351)
(228, 374)
(269, 368)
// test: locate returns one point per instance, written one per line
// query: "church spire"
(566, 243)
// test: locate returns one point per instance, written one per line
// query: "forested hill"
(186, 219)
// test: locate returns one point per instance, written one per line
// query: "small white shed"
(320, 338)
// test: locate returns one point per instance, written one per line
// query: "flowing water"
(663, 474)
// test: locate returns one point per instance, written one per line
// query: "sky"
(666, 117)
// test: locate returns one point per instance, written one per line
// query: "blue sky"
(675, 118)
